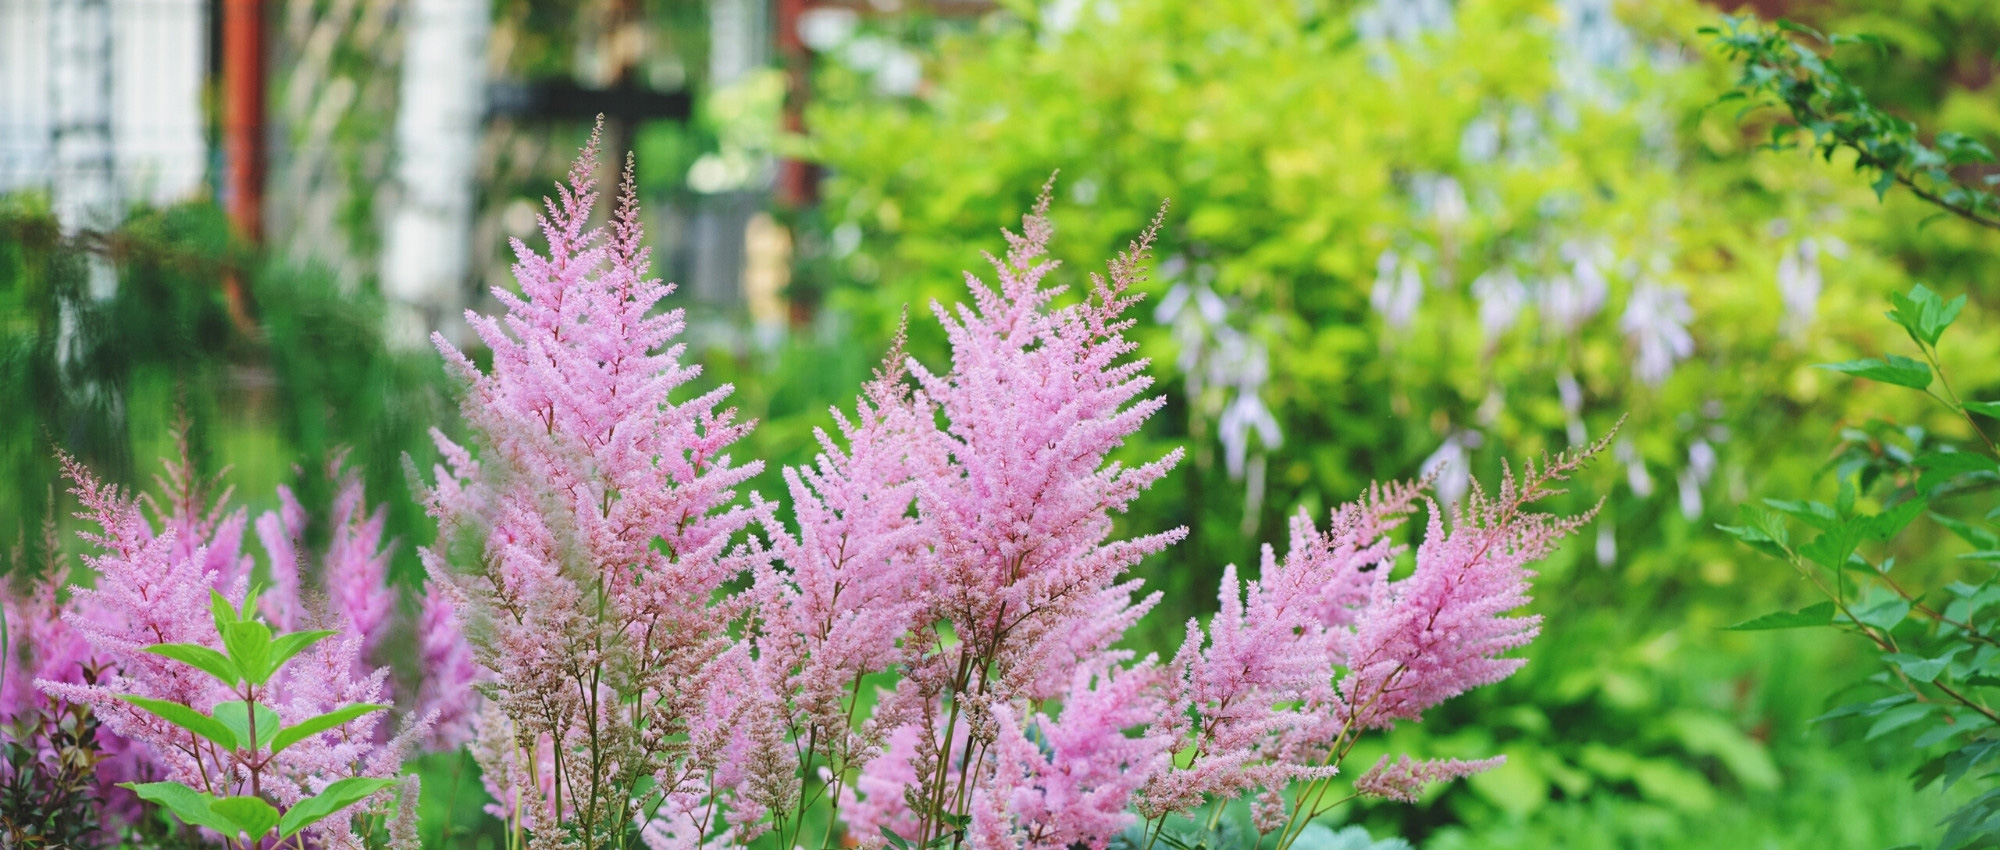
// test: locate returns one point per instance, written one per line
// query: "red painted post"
(243, 114)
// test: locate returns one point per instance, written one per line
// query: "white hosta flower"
(1501, 298)
(1398, 291)
(1656, 320)
(1452, 464)
(1636, 475)
(1799, 285)
(1572, 298)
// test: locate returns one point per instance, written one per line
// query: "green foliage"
(48, 778)
(1939, 648)
(1838, 115)
(249, 733)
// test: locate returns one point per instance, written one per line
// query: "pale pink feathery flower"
(1076, 793)
(1403, 780)
(605, 512)
(449, 671)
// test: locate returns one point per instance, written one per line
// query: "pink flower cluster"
(951, 560)
(152, 580)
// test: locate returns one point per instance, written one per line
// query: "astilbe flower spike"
(601, 512)
(1019, 564)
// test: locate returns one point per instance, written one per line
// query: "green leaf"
(1832, 549)
(1896, 369)
(186, 718)
(1866, 709)
(1925, 314)
(201, 658)
(326, 803)
(1807, 617)
(287, 646)
(236, 716)
(191, 806)
(1887, 524)
(1980, 538)
(1922, 669)
(1899, 717)
(1984, 408)
(252, 814)
(249, 644)
(1815, 514)
(219, 607)
(1940, 467)
(895, 840)
(312, 726)
(1885, 615)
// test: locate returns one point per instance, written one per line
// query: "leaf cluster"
(1779, 65)
(48, 777)
(247, 732)
(1939, 648)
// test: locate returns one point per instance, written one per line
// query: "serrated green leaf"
(254, 816)
(187, 804)
(249, 644)
(1832, 548)
(1816, 514)
(1940, 467)
(186, 718)
(327, 803)
(1887, 524)
(287, 646)
(1894, 369)
(236, 716)
(1807, 617)
(201, 658)
(1980, 538)
(312, 726)
(1865, 709)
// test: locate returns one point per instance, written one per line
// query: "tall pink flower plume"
(1018, 558)
(604, 511)
(1403, 780)
(1078, 792)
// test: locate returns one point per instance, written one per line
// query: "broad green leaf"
(1899, 717)
(312, 726)
(326, 803)
(186, 718)
(286, 646)
(236, 716)
(1895, 369)
(895, 840)
(1922, 669)
(201, 658)
(1807, 617)
(191, 806)
(249, 644)
(1816, 514)
(253, 815)
(1925, 314)
(1832, 548)
(1754, 538)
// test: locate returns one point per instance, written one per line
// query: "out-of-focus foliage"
(1417, 233)
(272, 394)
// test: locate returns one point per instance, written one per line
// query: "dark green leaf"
(201, 658)
(895, 840)
(1899, 717)
(312, 726)
(1979, 537)
(326, 803)
(1866, 709)
(186, 718)
(1812, 615)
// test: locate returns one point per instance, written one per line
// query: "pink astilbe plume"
(1019, 560)
(154, 587)
(1273, 648)
(1402, 780)
(604, 514)
(448, 693)
(1077, 793)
